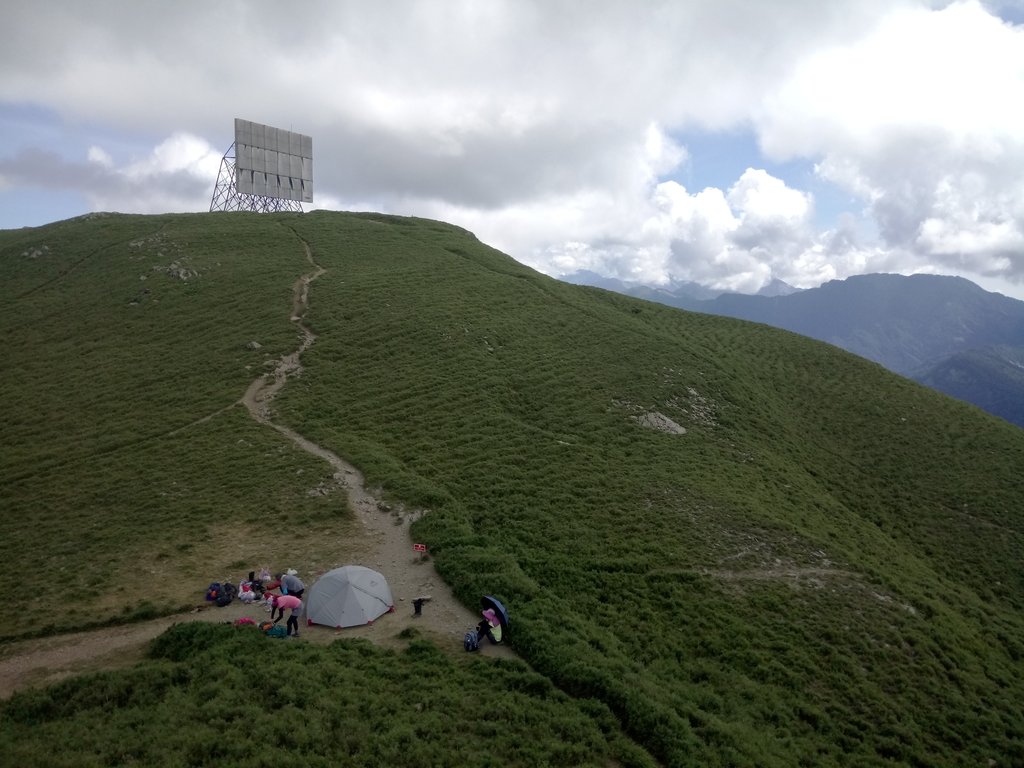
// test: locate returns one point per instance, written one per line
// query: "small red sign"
(419, 547)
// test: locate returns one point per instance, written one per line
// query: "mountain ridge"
(819, 563)
(913, 325)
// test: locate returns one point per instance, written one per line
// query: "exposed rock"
(35, 253)
(660, 422)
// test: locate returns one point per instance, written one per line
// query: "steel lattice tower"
(226, 196)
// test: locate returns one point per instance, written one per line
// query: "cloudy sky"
(727, 142)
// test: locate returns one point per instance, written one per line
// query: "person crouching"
(490, 626)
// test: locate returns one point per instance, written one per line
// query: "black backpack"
(471, 642)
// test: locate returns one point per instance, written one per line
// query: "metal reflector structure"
(265, 170)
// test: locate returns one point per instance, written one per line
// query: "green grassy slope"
(991, 378)
(824, 569)
(215, 695)
(129, 478)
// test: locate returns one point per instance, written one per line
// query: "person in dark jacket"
(291, 584)
(490, 626)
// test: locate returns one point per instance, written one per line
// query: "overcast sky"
(727, 142)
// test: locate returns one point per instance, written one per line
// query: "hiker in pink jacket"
(292, 603)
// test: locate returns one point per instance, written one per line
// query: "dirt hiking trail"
(387, 547)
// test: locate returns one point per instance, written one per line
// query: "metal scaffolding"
(226, 196)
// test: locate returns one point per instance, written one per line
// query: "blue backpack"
(471, 642)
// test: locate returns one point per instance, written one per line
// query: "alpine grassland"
(721, 543)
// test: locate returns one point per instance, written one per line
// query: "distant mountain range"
(944, 332)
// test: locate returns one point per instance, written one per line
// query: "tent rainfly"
(348, 596)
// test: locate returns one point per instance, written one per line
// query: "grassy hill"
(991, 378)
(906, 323)
(944, 332)
(823, 569)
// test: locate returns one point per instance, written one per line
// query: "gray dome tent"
(348, 596)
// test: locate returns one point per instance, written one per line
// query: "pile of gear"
(248, 590)
(221, 593)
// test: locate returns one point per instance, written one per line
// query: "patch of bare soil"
(386, 547)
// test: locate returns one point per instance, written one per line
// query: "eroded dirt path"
(387, 547)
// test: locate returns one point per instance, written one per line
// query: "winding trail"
(387, 548)
(390, 545)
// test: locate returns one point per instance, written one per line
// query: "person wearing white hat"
(291, 584)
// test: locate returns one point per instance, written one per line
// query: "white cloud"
(547, 127)
(100, 156)
(658, 232)
(955, 70)
(922, 119)
(180, 153)
(599, 224)
(740, 239)
(177, 175)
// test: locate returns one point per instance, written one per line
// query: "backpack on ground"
(276, 631)
(471, 642)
